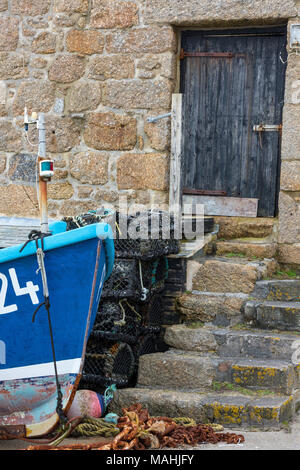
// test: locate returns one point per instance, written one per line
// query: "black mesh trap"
(117, 321)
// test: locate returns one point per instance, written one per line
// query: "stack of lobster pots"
(129, 319)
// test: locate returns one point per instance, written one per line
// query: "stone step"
(217, 308)
(282, 290)
(230, 410)
(247, 249)
(243, 227)
(284, 316)
(256, 374)
(182, 370)
(227, 342)
(230, 275)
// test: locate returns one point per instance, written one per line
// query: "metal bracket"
(161, 116)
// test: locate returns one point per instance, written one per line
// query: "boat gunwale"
(103, 231)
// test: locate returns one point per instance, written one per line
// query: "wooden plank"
(230, 206)
(15, 230)
(175, 193)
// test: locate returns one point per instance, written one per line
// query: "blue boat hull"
(77, 264)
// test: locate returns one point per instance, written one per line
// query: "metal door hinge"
(184, 54)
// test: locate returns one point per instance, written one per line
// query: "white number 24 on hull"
(30, 289)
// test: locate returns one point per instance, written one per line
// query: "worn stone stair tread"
(221, 274)
(250, 249)
(189, 370)
(278, 289)
(230, 409)
(280, 304)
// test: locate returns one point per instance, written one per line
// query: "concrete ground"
(288, 439)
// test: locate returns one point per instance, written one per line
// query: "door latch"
(267, 128)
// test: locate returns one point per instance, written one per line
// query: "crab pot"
(157, 236)
(130, 276)
(153, 311)
(114, 365)
(117, 321)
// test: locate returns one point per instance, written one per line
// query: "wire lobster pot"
(136, 279)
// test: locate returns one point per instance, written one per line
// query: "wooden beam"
(230, 206)
(175, 192)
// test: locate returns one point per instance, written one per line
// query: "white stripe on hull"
(70, 366)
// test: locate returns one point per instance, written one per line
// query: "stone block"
(116, 14)
(3, 5)
(137, 94)
(193, 12)
(175, 370)
(291, 132)
(60, 190)
(30, 7)
(159, 132)
(242, 227)
(190, 339)
(17, 200)
(115, 66)
(9, 33)
(89, 167)
(109, 131)
(36, 95)
(230, 276)
(289, 219)
(142, 171)
(212, 307)
(66, 68)
(22, 167)
(10, 137)
(290, 176)
(44, 43)
(289, 254)
(62, 134)
(74, 207)
(256, 250)
(13, 66)
(85, 42)
(143, 40)
(292, 80)
(71, 6)
(83, 96)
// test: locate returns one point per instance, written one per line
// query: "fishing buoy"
(87, 403)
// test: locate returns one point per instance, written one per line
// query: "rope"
(90, 427)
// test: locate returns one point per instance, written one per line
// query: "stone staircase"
(233, 360)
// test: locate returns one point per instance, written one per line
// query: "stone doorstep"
(182, 370)
(241, 227)
(284, 316)
(226, 342)
(230, 410)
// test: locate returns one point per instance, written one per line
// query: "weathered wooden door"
(232, 81)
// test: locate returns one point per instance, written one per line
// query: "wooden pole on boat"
(43, 199)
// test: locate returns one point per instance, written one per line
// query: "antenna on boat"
(45, 166)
